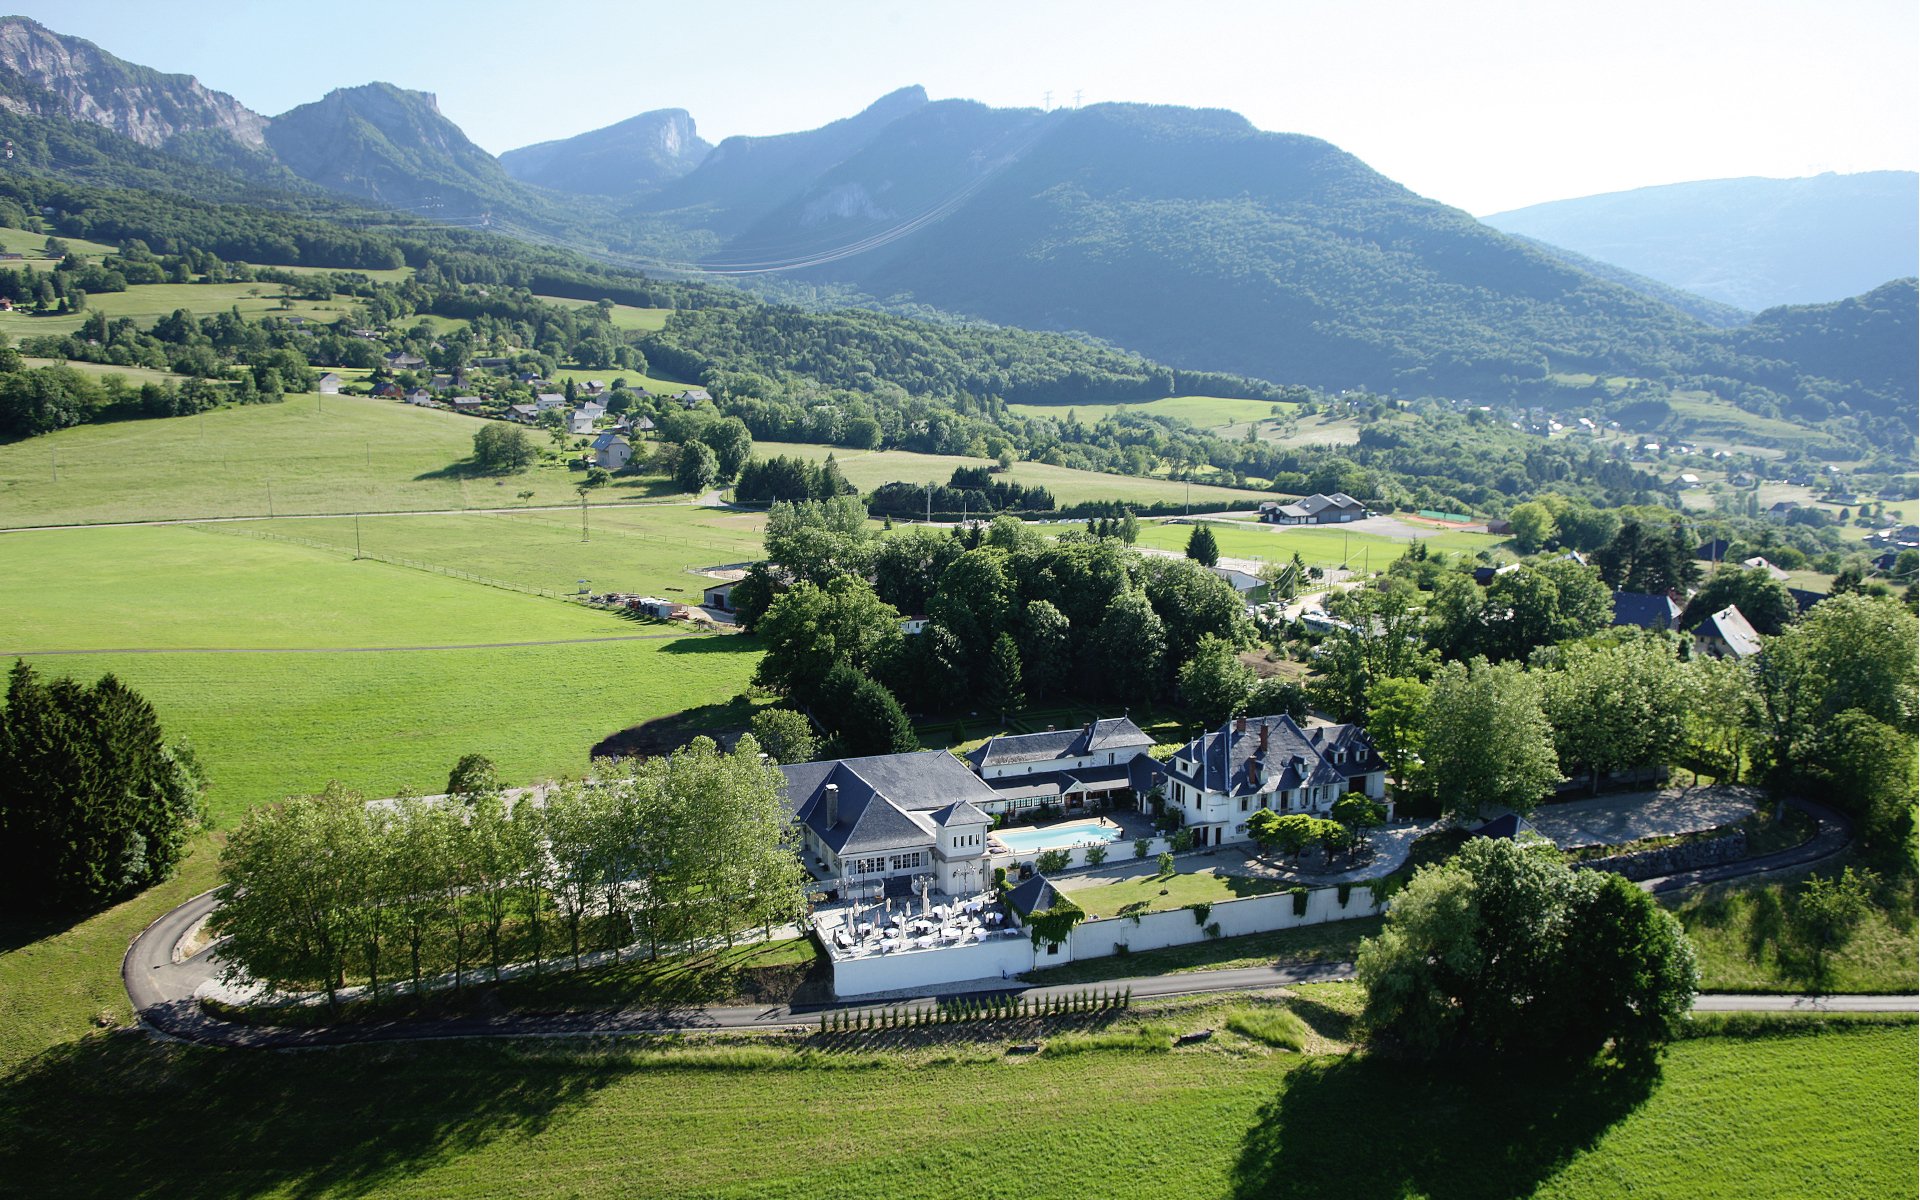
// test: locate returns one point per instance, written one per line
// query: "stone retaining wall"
(1671, 860)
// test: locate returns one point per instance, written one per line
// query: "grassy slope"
(1320, 546)
(1745, 935)
(625, 316)
(270, 724)
(867, 469)
(1831, 1115)
(1205, 412)
(149, 302)
(340, 454)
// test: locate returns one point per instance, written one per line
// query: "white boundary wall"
(1120, 851)
(1094, 939)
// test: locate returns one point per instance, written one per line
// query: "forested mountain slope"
(635, 155)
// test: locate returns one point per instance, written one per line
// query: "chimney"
(833, 805)
(1239, 724)
(1263, 737)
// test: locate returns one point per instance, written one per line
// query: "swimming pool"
(1051, 837)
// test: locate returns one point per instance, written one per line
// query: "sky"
(1486, 105)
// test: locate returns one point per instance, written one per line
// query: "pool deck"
(1059, 835)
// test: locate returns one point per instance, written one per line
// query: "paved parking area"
(1631, 816)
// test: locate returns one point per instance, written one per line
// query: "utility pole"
(269, 499)
(929, 504)
(356, 537)
(56, 464)
(583, 514)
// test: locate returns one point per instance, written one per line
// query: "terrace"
(887, 926)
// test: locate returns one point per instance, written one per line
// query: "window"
(1243, 803)
(1053, 947)
(905, 862)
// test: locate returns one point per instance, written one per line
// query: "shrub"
(1166, 863)
(1139, 847)
(1299, 895)
(1096, 855)
(1051, 862)
(1200, 912)
(1182, 841)
(1345, 891)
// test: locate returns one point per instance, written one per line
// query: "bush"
(1096, 855)
(1200, 912)
(1140, 847)
(1051, 862)
(1166, 863)
(1299, 895)
(1182, 841)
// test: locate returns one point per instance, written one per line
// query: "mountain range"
(1750, 243)
(1185, 234)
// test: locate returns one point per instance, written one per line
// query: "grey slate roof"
(1646, 609)
(1294, 757)
(877, 796)
(1096, 737)
(1036, 894)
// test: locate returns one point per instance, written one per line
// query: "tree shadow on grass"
(465, 468)
(119, 1116)
(1457, 1132)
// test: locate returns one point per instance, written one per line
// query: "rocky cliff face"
(636, 155)
(136, 102)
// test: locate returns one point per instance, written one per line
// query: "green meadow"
(288, 666)
(309, 454)
(1320, 546)
(868, 469)
(1204, 412)
(33, 245)
(148, 302)
(625, 316)
(133, 375)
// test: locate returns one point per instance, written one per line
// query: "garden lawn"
(310, 454)
(1829, 1114)
(1329, 942)
(868, 469)
(1748, 940)
(1182, 889)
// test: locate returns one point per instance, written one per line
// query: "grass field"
(33, 245)
(868, 469)
(133, 375)
(1828, 1114)
(1204, 412)
(625, 316)
(659, 385)
(150, 301)
(311, 454)
(637, 549)
(1319, 545)
(1745, 935)
(268, 724)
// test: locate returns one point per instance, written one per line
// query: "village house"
(1239, 581)
(643, 425)
(328, 384)
(400, 360)
(466, 404)
(1316, 509)
(611, 451)
(1726, 634)
(1757, 563)
(1219, 780)
(524, 413)
(547, 400)
(593, 408)
(579, 421)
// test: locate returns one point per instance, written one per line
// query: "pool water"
(1052, 837)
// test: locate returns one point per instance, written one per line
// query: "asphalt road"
(162, 993)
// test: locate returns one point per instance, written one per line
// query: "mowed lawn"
(148, 302)
(1320, 546)
(309, 454)
(1204, 412)
(269, 722)
(1828, 1115)
(868, 469)
(651, 550)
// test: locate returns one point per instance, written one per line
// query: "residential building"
(400, 360)
(547, 400)
(890, 817)
(1726, 634)
(611, 451)
(1713, 551)
(1103, 761)
(1316, 509)
(1757, 563)
(643, 425)
(593, 408)
(719, 596)
(1647, 610)
(579, 421)
(1240, 581)
(522, 412)
(1219, 780)
(693, 397)
(466, 404)
(328, 384)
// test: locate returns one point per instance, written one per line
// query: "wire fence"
(413, 564)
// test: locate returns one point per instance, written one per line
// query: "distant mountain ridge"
(1752, 243)
(635, 155)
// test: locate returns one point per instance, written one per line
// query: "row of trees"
(95, 803)
(690, 848)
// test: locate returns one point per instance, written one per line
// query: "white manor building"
(1068, 768)
(892, 817)
(1220, 779)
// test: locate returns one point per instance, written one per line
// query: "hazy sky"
(1483, 104)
